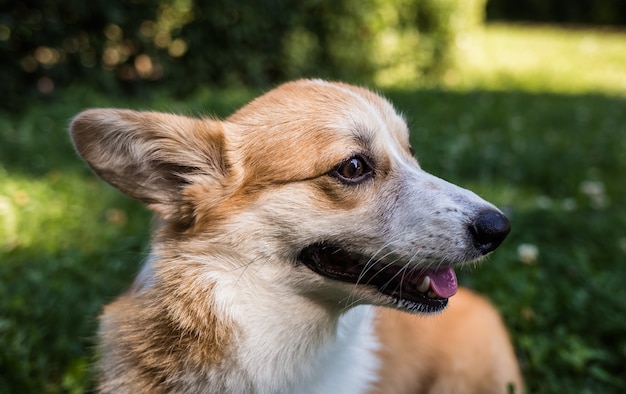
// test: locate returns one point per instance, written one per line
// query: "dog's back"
(465, 349)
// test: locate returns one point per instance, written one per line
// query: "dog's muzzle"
(409, 286)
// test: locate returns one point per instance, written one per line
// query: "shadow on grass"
(555, 163)
(50, 302)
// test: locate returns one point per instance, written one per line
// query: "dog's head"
(313, 185)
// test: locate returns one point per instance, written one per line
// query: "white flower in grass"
(592, 188)
(569, 205)
(527, 253)
(544, 202)
(596, 192)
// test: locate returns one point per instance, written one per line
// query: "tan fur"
(164, 339)
(468, 341)
(222, 305)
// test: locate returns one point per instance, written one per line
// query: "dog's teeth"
(431, 294)
(424, 286)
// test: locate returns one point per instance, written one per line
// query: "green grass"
(560, 179)
(542, 59)
(547, 145)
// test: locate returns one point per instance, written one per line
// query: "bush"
(599, 12)
(128, 46)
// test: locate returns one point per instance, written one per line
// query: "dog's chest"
(350, 364)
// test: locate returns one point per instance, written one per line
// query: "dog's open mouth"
(414, 290)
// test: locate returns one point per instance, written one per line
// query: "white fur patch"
(351, 364)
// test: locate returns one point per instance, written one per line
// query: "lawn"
(543, 58)
(534, 122)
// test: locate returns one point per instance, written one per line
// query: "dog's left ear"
(151, 156)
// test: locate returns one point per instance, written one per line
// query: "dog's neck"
(285, 344)
(292, 351)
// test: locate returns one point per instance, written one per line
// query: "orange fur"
(468, 341)
(162, 340)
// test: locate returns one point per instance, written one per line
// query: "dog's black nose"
(489, 229)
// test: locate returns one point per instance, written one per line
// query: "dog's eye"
(354, 170)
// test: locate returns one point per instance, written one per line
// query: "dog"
(298, 248)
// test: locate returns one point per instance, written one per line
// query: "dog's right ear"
(151, 156)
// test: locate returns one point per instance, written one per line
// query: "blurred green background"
(522, 101)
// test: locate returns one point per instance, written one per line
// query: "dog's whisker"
(401, 271)
(367, 266)
(371, 263)
(374, 260)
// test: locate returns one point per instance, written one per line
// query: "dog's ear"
(151, 156)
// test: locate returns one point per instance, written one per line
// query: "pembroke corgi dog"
(298, 248)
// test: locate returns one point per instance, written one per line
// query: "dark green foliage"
(48, 44)
(598, 12)
(129, 46)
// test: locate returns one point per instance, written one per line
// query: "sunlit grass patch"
(531, 58)
(542, 59)
(66, 243)
(62, 210)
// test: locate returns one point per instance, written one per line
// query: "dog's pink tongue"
(443, 282)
